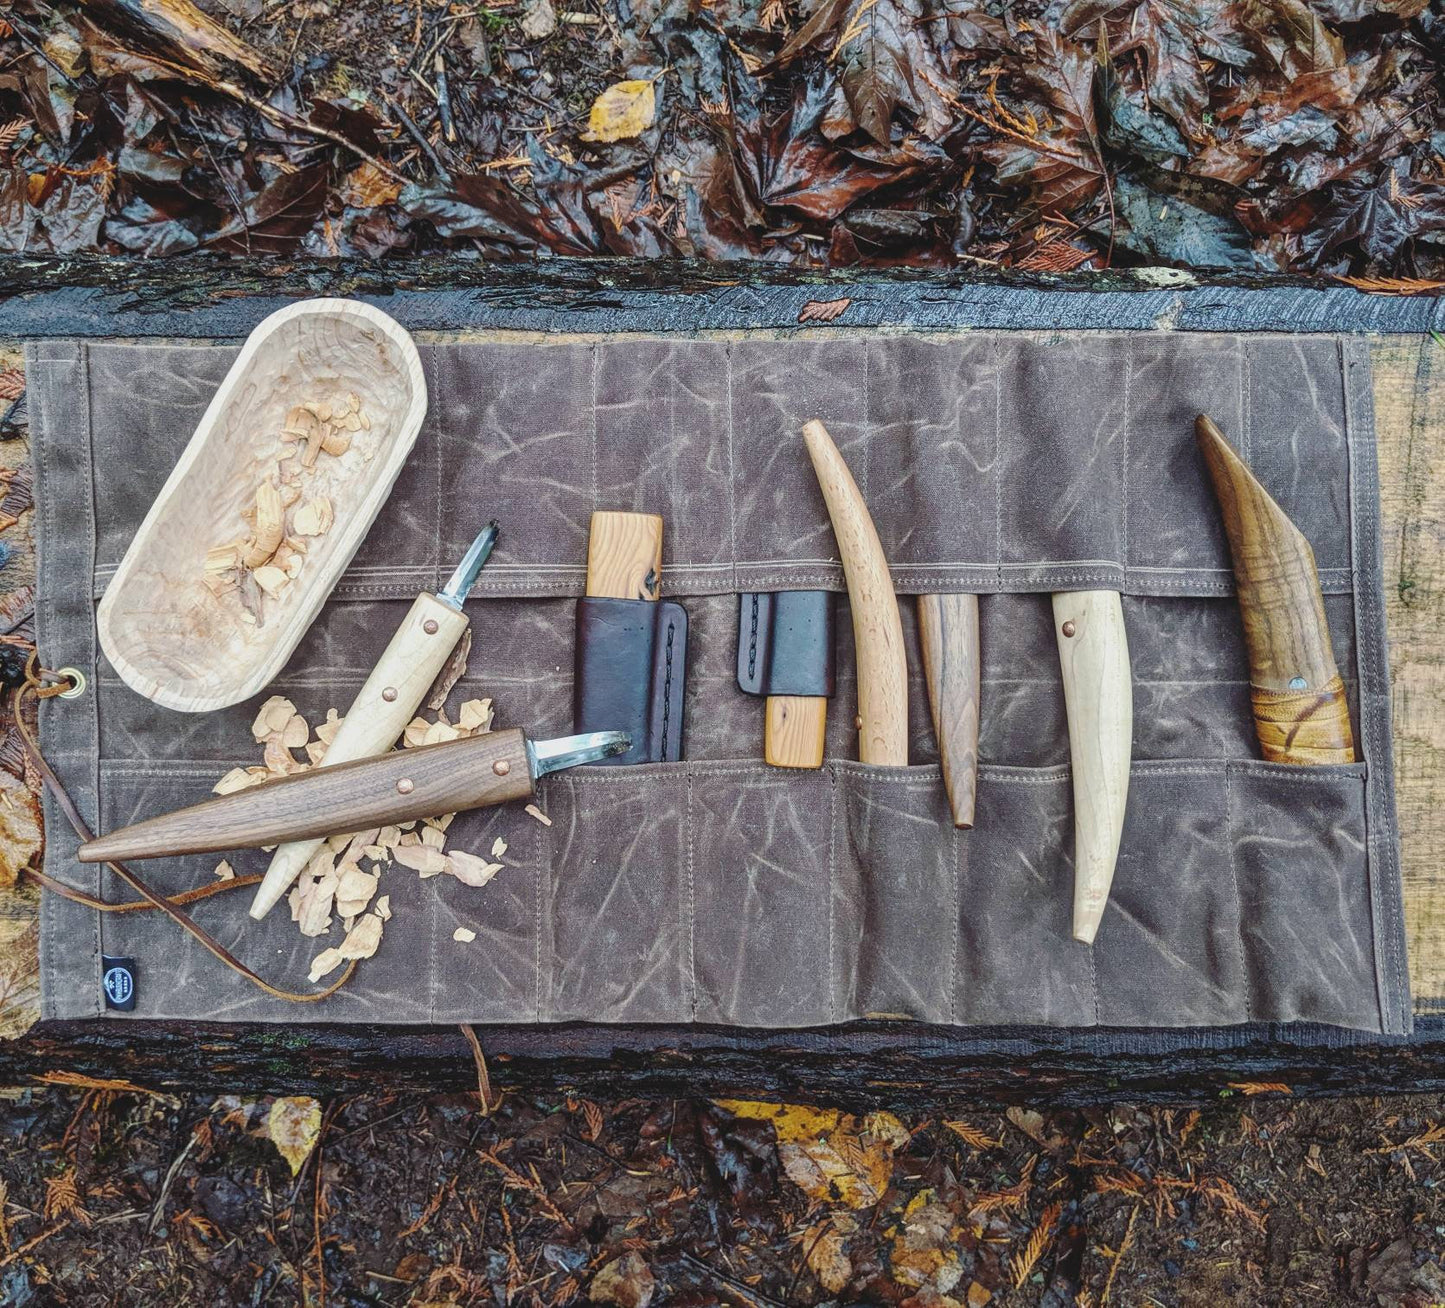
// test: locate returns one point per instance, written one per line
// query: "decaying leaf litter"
(139, 1198)
(1274, 135)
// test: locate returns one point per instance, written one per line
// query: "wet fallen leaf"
(20, 832)
(827, 1255)
(626, 1282)
(925, 1249)
(624, 110)
(293, 1126)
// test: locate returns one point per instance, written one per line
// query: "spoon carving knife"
(492, 768)
(877, 627)
(1301, 713)
(1099, 705)
(386, 703)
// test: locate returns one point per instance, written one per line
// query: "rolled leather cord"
(42, 683)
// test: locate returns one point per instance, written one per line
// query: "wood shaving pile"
(285, 519)
(343, 877)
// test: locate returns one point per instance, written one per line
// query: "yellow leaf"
(793, 1122)
(293, 1126)
(827, 1258)
(622, 111)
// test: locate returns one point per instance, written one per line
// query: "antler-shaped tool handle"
(1099, 702)
(1301, 714)
(877, 628)
(413, 783)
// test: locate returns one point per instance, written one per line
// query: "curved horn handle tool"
(1099, 701)
(386, 703)
(948, 636)
(877, 628)
(1301, 714)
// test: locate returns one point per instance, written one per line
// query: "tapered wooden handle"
(377, 716)
(624, 556)
(877, 628)
(948, 636)
(397, 787)
(794, 727)
(1099, 702)
(1301, 714)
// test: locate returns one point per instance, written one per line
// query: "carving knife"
(1099, 704)
(877, 629)
(948, 637)
(1301, 713)
(395, 787)
(389, 699)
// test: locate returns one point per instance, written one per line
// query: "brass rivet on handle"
(389, 694)
(501, 767)
(405, 786)
(430, 626)
(1068, 628)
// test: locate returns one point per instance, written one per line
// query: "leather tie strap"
(42, 683)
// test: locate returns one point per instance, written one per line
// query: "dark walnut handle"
(396, 787)
(1301, 714)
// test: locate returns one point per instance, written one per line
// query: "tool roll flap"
(716, 888)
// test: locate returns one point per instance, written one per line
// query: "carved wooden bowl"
(183, 624)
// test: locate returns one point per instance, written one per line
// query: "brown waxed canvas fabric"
(718, 889)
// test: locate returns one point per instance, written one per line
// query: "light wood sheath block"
(877, 628)
(396, 787)
(1099, 701)
(168, 636)
(948, 636)
(794, 728)
(1301, 713)
(377, 716)
(624, 556)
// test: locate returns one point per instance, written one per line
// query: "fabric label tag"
(118, 980)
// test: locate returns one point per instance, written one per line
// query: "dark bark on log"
(858, 1066)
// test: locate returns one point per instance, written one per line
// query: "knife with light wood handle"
(1301, 713)
(877, 629)
(1099, 703)
(948, 637)
(387, 702)
(396, 787)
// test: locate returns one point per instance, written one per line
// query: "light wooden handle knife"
(948, 637)
(624, 555)
(1099, 702)
(388, 700)
(877, 628)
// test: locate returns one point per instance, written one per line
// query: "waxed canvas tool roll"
(717, 889)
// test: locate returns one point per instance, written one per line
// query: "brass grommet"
(77, 683)
(405, 786)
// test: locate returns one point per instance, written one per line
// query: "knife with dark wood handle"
(948, 637)
(1301, 713)
(412, 783)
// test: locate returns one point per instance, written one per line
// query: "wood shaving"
(354, 890)
(272, 718)
(423, 858)
(433, 836)
(499, 847)
(383, 908)
(464, 935)
(533, 811)
(328, 960)
(361, 941)
(224, 871)
(471, 870)
(476, 716)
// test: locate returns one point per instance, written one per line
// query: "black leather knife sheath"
(630, 664)
(785, 642)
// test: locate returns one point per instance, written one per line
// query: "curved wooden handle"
(948, 637)
(877, 628)
(794, 728)
(1304, 726)
(377, 716)
(372, 792)
(1099, 701)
